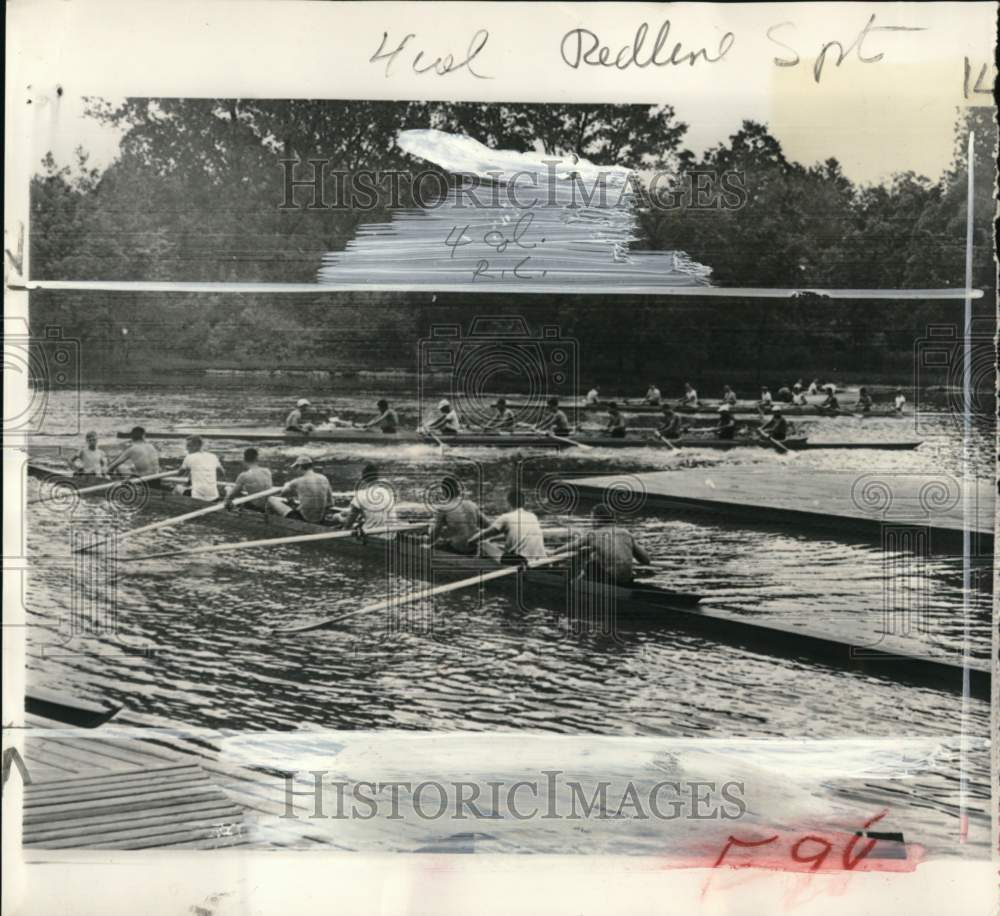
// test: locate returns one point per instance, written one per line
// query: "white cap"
(303, 402)
(776, 408)
(443, 403)
(303, 461)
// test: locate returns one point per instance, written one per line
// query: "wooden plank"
(140, 801)
(208, 822)
(203, 838)
(68, 785)
(73, 828)
(111, 791)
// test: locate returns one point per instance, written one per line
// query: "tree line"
(194, 194)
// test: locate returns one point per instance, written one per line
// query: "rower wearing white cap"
(311, 491)
(446, 422)
(294, 422)
(777, 426)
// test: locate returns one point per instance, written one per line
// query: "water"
(494, 665)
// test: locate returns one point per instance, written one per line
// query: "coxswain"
(690, 398)
(671, 426)
(387, 419)
(554, 420)
(204, 471)
(373, 504)
(864, 400)
(900, 400)
(831, 403)
(90, 459)
(502, 419)
(727, 423)
(446, 422)
(294, 422)
(728, 396)
(593, 396)
(616, 422)
(252, 479)
(653, 396)
(311, 491)
(522, 533)
(609, 552)
(456, 520)
(777, 426)
(143, 457)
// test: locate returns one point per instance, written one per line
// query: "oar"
(437, 439)
(269, 542)
(666, 442)
(552, 435)
(177, 519)
(784, 450)
(104, 486)
(419, 594)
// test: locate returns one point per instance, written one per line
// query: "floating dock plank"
(853, 504)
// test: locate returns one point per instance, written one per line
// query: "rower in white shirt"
(523, 538)
(900, 400)
(204, 470)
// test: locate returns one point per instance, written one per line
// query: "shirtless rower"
(555, 420)
(612, 550)
(373, 504)
(616, 422)
(204, 471)
(831, 403)
(727, 423)
(143, 457)
(503, 418)
(455, 521)
(294, 422)
(864, 400)
(671, 426)
(387, 420)
(90, 459)
(311, 491)
(523, 538)
(252, 479)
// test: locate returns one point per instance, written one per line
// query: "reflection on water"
(492, 665)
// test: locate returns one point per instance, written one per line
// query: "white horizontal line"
(509, 288)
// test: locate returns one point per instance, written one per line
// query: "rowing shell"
(493, 440)
(612, 605)
(709, 408)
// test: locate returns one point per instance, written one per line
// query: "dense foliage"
(195, 191)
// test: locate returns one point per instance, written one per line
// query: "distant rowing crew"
(458, 524)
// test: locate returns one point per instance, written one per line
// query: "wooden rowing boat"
(616, 607)
(709, 408)
(496, 440)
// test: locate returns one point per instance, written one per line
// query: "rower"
(387, 419)
(727, 423)
(611, 552)
(446, 422)
(798, 395)
(144, 458)
(616, 422)
(653, 395)
(784, 394)
(294, 421)
(690, 398)
(814, 386)
(900, 400)
(777, 426)
(523, 539)
(831, 403)
(90, 459)
(252, 479)
(311, 491)
(671, 426)
(555, 420)
(765, 402)
(864, 400)
(373, 504)
(204, 471)
(593, 396)
(456, 521)
(503, 420)
(728, 396)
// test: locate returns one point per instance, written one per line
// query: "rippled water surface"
(493, 664)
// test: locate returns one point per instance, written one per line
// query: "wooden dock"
(870, 505)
